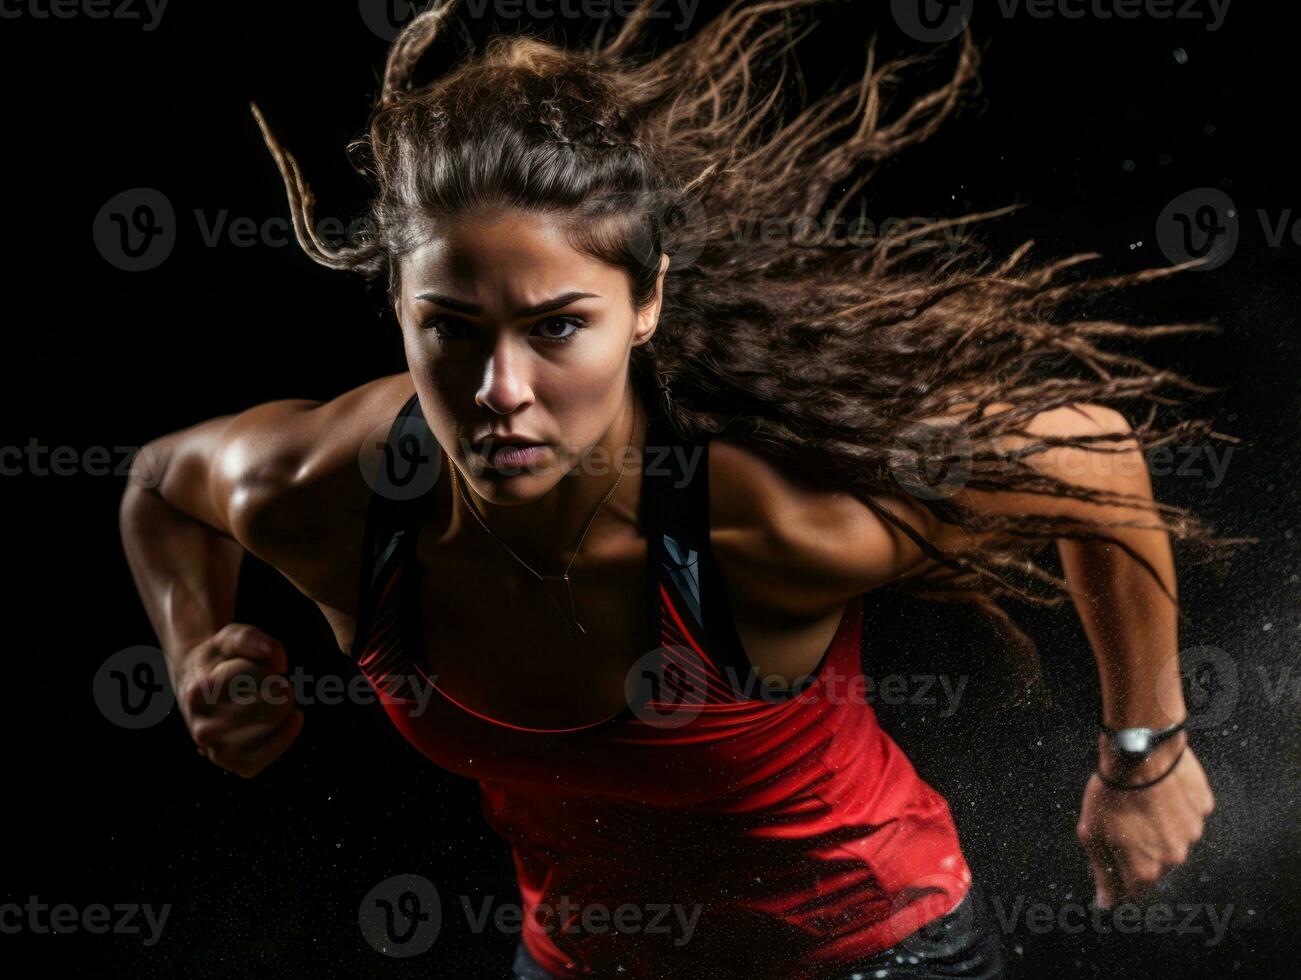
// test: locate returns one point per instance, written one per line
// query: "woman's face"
(511, 332)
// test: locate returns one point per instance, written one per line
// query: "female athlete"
(603, 546)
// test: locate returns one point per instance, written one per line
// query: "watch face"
(1136, 741)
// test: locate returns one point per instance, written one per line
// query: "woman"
(607, 547)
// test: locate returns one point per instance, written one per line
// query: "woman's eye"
(444, 327)
(449, 328)
(563, 321)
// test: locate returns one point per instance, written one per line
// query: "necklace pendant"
(575, 628)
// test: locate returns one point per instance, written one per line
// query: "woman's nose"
(505, 387)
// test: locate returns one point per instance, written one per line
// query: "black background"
(1093, 122)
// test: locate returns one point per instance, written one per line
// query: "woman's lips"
(512, 456)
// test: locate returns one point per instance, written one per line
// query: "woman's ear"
(648, 317)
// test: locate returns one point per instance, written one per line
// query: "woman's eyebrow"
(470, 309)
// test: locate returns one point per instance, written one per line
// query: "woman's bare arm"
(282, 481)
(188, 493)
(181, 520)
(835, 547)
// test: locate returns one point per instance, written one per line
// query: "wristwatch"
(1133, 745)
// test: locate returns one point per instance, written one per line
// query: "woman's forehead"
(528, 253)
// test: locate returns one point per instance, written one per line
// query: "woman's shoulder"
(303, 486)
(810, 545)
(801, 547)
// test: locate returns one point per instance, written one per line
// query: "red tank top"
(713, 828)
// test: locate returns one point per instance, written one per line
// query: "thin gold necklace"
(575, 627)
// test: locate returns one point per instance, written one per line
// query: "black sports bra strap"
(649, 522)
(404, 474)
(684, 556)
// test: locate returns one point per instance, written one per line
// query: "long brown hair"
(824, 357)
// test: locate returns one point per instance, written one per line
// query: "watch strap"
(1152, 782)
(1158, 735)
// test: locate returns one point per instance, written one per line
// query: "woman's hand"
(1132, 837)
(235, 701)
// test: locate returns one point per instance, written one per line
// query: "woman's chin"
(501, 485)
